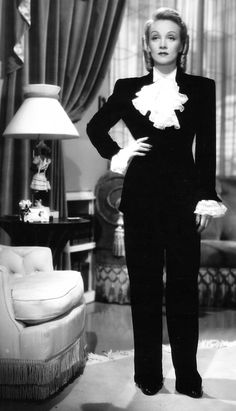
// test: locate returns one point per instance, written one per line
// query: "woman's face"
(164, 44)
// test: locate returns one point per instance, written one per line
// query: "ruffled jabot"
(161, 99)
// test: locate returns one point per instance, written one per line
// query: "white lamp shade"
(41, 115)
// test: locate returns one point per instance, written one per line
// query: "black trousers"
(154, 239)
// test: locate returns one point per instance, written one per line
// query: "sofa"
(217, 274)
(42, 323)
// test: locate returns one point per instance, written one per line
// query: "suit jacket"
(168, 175)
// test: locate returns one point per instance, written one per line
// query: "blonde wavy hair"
(165, 13)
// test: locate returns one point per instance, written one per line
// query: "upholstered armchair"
(42, 321)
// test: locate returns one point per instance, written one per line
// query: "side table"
(54, 234)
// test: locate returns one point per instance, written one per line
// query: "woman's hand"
(137, 148)
(202, 221)
(121, 160)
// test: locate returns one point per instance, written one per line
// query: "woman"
(168, 196)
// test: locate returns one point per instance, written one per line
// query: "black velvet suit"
(159, 196)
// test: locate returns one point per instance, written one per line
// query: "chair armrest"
(10, 328)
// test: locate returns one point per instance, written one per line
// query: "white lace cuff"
(210, 207)
(119, 162)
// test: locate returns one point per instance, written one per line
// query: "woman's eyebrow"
(169, 32)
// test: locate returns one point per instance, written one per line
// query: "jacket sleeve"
(100, 124)
(205, 152)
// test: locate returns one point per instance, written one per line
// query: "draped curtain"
(63, 42)
(212, 53)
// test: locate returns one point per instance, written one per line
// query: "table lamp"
(41, 117)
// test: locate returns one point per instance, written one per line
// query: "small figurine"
(42, 160)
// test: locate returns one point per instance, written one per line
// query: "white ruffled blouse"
(161, 98)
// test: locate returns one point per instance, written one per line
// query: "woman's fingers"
(138, 148)
(198, 219)
(202, 221)
(141, 147)
(141, 139)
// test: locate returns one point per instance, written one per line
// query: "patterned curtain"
(212, 53)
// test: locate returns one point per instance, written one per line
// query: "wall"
(83, 165)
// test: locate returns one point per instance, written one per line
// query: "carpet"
(107, 384)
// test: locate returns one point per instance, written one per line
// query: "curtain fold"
(73, 42)
(14, 177)
(68, 43)
(97, 54)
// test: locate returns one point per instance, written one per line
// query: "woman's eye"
(171, 38)
(155, 38)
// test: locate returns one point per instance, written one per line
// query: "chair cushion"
(40, 297)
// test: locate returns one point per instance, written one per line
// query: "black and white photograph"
(117, 205)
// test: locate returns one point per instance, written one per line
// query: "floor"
(109, 326)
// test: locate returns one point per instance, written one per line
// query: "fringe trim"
(37, 380)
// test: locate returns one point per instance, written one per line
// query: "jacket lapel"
(182, 79)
